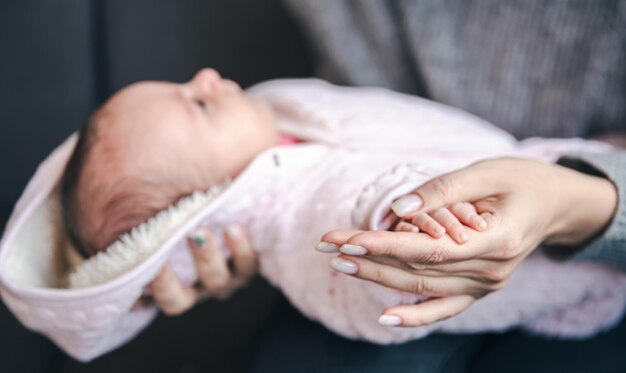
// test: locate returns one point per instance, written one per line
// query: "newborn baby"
(355, 151)
(155, 142)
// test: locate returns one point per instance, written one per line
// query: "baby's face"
(167, 140)
(205, 126)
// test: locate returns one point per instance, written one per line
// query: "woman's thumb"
(466, 185)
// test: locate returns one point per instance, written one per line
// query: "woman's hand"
(524, 202)
(216, 277)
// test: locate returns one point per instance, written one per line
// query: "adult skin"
(525, 203)
(217, 279)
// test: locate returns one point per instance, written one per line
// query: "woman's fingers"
(427, 312)
(244, 257)
(331, 241)
(393, 277)
(170, 295)
(492, 275)
(411, 247)
(211, 265)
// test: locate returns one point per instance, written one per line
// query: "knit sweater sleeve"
(610, 245)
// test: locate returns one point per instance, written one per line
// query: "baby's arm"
(452, 220)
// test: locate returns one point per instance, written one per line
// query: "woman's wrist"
(587, 206)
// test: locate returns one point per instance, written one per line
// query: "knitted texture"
(534, 67)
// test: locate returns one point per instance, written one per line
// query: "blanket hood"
(86, 306)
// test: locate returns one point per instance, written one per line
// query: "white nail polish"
(353, 249)
(406, 205)
(198, 238)
(389, 320)
(327, 247)
(233, 231)
(344, 266)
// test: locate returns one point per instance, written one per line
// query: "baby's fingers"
(426, 223)
(403, 226)
(467, 214)
(453, 226)
(211, 265)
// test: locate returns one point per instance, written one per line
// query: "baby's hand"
(453, 220)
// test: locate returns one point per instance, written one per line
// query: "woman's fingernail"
(464, 236)
(389, 320)
(327, 247)
(353, 249)
(344, 266)
(198, 238)
(233, 231)
(406, 205)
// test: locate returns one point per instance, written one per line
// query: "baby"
(155, 142)
(307, 157)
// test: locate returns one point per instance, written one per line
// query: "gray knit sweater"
(532, 67)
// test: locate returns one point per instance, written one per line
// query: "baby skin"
(155, 142)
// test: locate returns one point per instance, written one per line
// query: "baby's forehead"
(145, 107)
(145, 93)
(143, 125)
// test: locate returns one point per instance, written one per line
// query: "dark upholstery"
(59, 59)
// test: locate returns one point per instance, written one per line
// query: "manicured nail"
(353, 249)
(198, 238)
(389, 320)
(406, 205)
(327, 247)
(344, 266)
(233, 231)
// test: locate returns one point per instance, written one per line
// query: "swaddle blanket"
(363, 149)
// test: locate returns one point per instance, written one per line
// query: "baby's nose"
(207, 79)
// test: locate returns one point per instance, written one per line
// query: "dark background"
(60, 59)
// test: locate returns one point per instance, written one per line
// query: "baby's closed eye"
(453, 220)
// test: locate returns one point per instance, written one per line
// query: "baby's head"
(153, 143)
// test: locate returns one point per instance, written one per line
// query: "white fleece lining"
(36, 259)
(134, 247)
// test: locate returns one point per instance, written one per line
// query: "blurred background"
(60, 59)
